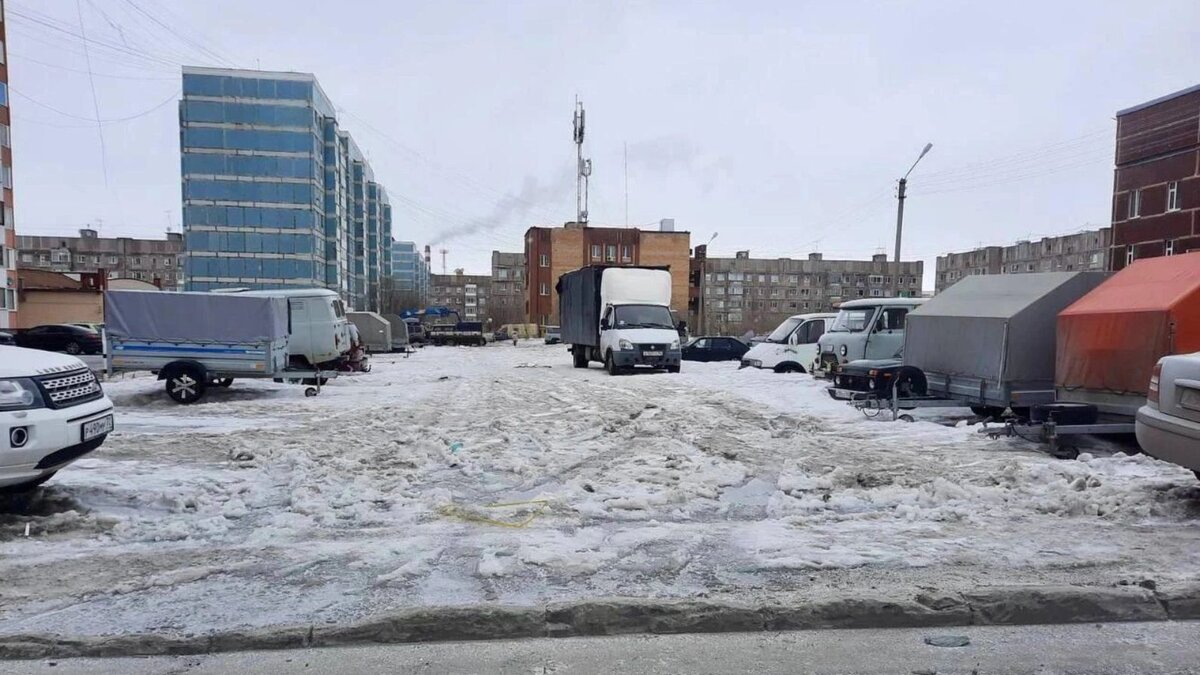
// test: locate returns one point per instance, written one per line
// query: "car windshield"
(785, 329)
(642, 316)
(852, 320)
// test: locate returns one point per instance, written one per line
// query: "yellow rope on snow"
(456, 511)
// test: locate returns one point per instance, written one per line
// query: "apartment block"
(1081, 251)
(275, 193)
(508, 288)
(733, 296)
(152, 260)
(467, 294)
(552, 251)
(410, 273)
(8, 233)
(1156, 186)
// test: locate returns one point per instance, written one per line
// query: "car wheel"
(28, 486)
(186, 386)
(223, 382)
(788, 368)
(73, 348)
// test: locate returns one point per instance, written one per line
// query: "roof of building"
(1160, 99)
(242, 72)
(44, 280)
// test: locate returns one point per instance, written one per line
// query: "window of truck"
(780, 335)
(642, 316)
(852, 320)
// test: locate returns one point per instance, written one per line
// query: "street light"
(900, 219)
(701, 314)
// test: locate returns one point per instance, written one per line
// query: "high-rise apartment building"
(8, 242)
(152, 260)
(1081, 251)
(275, 193)
(410, 274)
(732, 296)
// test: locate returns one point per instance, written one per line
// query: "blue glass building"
(408, 269)
(275, 193)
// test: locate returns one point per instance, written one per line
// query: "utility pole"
(900, 194)
(626, 159)
(583, 167)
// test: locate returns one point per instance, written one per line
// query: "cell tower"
(583, 167)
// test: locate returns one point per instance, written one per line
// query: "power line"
(95, 100)
(25, 58)
(174, 97)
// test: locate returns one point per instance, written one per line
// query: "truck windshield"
(642, 316)
(780, 335)
(852, 320)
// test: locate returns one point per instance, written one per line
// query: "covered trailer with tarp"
(989, 341)
(1110, 339)
(374, 330)
(400, 341)
(196, 340)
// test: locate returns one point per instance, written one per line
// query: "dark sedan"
(714, 348)
(61, 338)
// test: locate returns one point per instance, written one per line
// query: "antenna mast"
(583, 167)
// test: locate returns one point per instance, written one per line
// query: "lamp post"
(900, 219)
(703, 287)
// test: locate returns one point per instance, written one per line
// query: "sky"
(777, 127)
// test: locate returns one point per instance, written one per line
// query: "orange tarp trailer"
(1109, 340)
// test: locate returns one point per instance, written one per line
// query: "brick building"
(152, 260)
(508, 288)
(732, 296)
(8, 234)
(1156, 186)
(1080, 251)
(552, 251)
(467, 294)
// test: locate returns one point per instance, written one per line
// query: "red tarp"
(1110, 339)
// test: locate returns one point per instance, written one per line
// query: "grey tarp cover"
(157, 316)
(999, 328)
(579, 306)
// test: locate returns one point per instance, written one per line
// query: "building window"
(595, 251)
(112, 260)
(543, 260)
(1173, 196)
(5, 136)
(1171, 247)
(612, 253)
(774, 278)
(625, 257)
(166, 262)
(27, 257)
(8, 299)
(3, 93)
(1135, 203)
(1129, 256)
(6, 176)
(543, 288)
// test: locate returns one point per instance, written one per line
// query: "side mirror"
(794, 338)
(604, 324)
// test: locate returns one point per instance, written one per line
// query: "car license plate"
(652, 353)
(97, 427)
(1190, 399)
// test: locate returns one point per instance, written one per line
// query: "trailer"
(400, 339)
(193, 341)
(374, 330)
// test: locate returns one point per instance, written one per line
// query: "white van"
(792, 347)
(871, 328)
(318, 333)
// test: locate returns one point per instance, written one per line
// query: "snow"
(502, 474)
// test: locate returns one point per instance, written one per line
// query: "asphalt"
(1096, 649)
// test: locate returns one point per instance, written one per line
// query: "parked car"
(52, 411)
(553, 335)
(792, 347)
(61, 338)
(871, 328)
(714, 348)
(1168, 426)
(7, 339)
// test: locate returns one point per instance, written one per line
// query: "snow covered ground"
(502, 474)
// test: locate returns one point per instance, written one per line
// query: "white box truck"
(619, 316)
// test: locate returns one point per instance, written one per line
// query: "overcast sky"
(780, 126)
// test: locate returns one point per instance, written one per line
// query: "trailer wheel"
(186, 384)
(310, 392)
(1020, 411)
(911, 382)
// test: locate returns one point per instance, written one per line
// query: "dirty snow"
(502, 474)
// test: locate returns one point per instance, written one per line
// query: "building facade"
(1081, 251)
(152, 260)
(552, 251)
(467, 294)
(8, 233)
(275, 193)
(410, 272)
(733, 296)
(508, 288)
(1156, 183)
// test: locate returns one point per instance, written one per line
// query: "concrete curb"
(1011, 605)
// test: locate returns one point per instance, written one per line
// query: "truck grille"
(653, 348)
(70, 388)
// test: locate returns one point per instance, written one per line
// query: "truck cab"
(319, 333)
(792, 347)
(639, 335)
(52, 412)
(871, 328)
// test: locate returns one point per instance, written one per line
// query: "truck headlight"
(624, 345)
(675, 345)
(19, 394)
(844, 350)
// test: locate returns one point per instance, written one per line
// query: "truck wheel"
(610, 365)
(672, 369)
(186, 385)
(579, 357)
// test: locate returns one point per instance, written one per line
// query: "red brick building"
(1156, 187)
(8, 235)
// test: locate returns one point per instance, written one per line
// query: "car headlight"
(624, 344)
(871, 383)
(675, 344)
(19, 394)
(844, 350)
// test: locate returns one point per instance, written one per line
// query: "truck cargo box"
(990, 340)
(1110, 339)
(582, 294)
